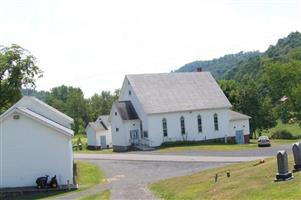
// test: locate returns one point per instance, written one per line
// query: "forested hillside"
(219, 66)
(266, 86)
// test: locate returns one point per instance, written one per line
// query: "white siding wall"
(106, 133)
(122, 137)
(118, 137)
(91, 136)
(30, 150)
(191, 125)
(94, 137)
(137, 105)
(239, 125)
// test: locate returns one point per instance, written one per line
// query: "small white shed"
(99, 133)
(239, 127)
(36, 140)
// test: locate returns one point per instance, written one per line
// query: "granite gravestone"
(297, 155)
(282, 162)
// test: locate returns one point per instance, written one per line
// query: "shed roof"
(237, 116)
(45, 105)
(101, 123)
(126, 110)
(40, 118)
(172, 92)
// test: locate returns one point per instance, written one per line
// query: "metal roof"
(172, 92)
(43, 119)
(237, 116)
(101, 123)
(126, 110)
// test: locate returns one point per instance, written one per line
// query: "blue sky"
(92, 44)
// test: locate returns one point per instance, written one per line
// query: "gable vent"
(16, 117)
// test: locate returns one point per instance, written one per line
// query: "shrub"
(282, 134)
(191, 143)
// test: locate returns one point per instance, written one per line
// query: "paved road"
(165, 158)
(258, 152)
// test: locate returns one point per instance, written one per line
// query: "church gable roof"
(172, 92)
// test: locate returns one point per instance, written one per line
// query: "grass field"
(104, 195)
(83, 139)
(246, 182)
(293, 128)
(89, 175)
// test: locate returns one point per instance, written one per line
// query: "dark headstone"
(282, 163)
(297, 155)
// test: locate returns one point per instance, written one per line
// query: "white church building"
(166, 107)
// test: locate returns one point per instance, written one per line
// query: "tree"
(231, 89)
(102, 104)
(295, 101)
(247, 98)
(260, 108)
(70, 101)
(17, 68)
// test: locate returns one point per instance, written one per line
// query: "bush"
(191, 143)
(282, 134)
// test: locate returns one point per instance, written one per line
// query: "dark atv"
(42, 182)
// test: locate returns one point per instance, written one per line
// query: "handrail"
(141, 141)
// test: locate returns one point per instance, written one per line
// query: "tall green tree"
(101, 104)
(259, 107)
(71, 101)
(17, 68)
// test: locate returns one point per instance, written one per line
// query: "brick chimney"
(199, 69)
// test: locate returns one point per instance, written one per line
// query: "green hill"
(287, 50)
(219, 66)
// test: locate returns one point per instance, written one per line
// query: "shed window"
(130, 92)
(115, 113)
(117, 129)
(182, 120)
(164, 127)
(215, 119)
(200, 128)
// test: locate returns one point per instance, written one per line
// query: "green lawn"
(83, 139)
(293, 128)
(246, 182)
(104, 195)
(89, 175)
(221, 147)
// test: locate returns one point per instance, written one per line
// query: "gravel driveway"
(130, 179)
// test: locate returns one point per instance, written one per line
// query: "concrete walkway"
(166, 158)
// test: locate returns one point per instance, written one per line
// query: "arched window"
(215, 119)
(164, 126)
(200, 128)
(182, 125)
